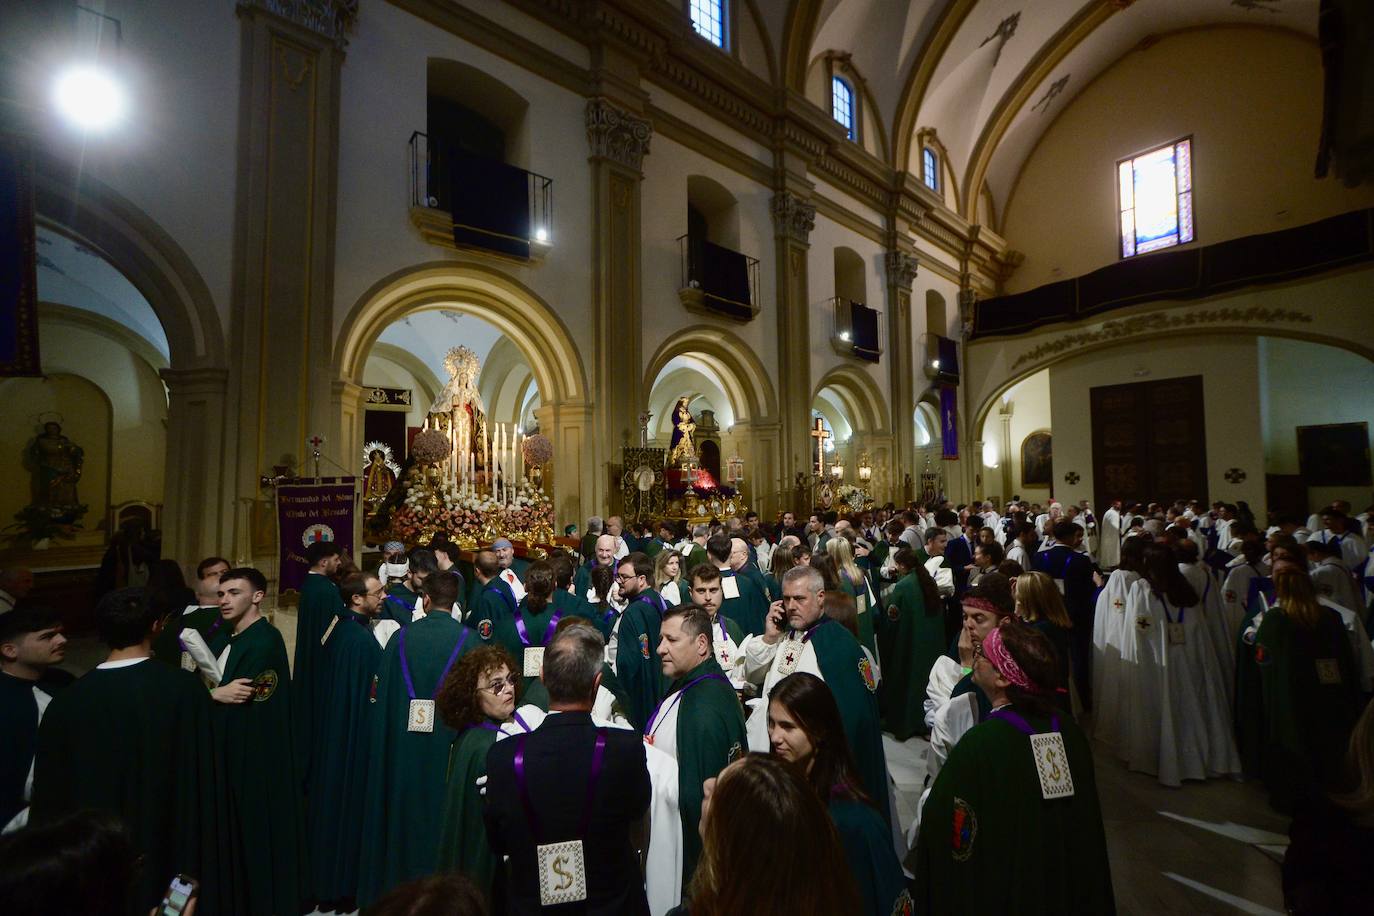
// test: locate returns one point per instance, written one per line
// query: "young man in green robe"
(337, 777)
(319, 607)
(203, 618)
(744, 600)
(911, 636)
(1013, 819)
(135, 738)
(408, 749)
(698, 722)
(635, 664)
(403, 598)
(799, 637)
(493, 598)
(253, 714)
(726, 635)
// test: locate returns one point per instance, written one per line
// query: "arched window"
(842, 105)
(708, 19)
(930, 169)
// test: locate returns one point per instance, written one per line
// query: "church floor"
(1205, 848)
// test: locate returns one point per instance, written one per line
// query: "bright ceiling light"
(89, 97)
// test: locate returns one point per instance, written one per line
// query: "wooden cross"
(820, 434)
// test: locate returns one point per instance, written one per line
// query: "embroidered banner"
(18, 275)
(310, 512)
(949, 422)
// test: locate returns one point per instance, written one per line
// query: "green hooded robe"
(636, 659)
(850, 676)
(910, 638)
(319, 605)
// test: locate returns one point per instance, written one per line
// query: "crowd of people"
(644, 724)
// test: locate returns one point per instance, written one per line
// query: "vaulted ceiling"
(990, 76)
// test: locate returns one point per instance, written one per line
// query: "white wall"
(1309, 384)
(1230, 377)
(1030, 402)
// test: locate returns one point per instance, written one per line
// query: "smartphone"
(179, 893)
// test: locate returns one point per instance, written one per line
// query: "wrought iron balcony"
(718, 280)
(857, 330)
(460, 200)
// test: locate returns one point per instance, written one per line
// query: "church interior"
(497, 267)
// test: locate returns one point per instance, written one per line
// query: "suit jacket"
(558, 763)
(1076, 570)
(959, 554)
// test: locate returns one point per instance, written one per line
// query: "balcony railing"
(490, 205)
(717, 279)
(857, 330)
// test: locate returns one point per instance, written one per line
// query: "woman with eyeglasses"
(477, 700)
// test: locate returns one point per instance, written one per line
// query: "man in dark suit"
(1073, 574)
(570, 794)
(959, 553)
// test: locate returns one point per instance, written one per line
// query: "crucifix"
(820, 434)
(315, 443)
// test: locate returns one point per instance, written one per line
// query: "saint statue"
(57, 462)
(458, 409)
(682, 449)
(378, 479)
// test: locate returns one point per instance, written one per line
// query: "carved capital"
(793, 217)
(968, 305)
(617, 135)
(330, 18)
(901, 268)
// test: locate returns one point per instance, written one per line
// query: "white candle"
(519, 458)
(486, 455)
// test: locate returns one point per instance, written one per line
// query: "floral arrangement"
(430, 446)
(40, 524)
(855, 498)
(537, 450)
(471, 517)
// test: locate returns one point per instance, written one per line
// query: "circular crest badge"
(317, 533)
(264, 685)
(484, 629)
(965, 830)
(644, 644)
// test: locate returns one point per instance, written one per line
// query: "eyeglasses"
(624, 578)
(498, 687)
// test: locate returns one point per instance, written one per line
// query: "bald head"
(739, 553)
(605, 550)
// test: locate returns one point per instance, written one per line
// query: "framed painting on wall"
(1037, 459)
(1335, 454)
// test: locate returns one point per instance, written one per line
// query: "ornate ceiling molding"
(1137, 325)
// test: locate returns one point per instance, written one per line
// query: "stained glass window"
(842, 104)
(930, 169)
(708, 18)
(1156, 198)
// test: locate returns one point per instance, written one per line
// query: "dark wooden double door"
(1149, 441)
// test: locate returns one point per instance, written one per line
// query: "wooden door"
(1149, 441)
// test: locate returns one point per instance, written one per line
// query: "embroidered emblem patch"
(644, 644)
(1142, 623)
(892, 612)
(264, 685)
(372, 691)
(484, 629)
(866, 672)
(965, 830)
(735, 753)
(903, 906)
(1230, 596)
(1118, 604)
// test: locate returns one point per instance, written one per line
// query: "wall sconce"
(865, 468)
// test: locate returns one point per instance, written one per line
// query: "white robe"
(1108, 660)
(517, 587)
(1109, 540)
(1333, 580)
(943, 575)
(944, 674)
(1018, 553)
(1178, 724)
(672, 594)
(760, 663)
(1354, 551)
(1234, 591)
(1220, 639)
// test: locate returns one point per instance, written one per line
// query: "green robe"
(851, 679)
(406, 771)
(864, 613)
(463, 844)
(582, 579)
(399, 604)
(320, 604)
(537, 627)
(754, 575)
(750, 609)
(636, 658)
(138, 741)
(867, 842)
(1307, 723)
(710, 734)
(910, 638)
(338, 774)
(990, 842)
(204, 620)
(263, 773)
(697, 556)
(491, 602)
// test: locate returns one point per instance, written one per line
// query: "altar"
(670, 483)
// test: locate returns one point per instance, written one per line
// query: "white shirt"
(509, 577)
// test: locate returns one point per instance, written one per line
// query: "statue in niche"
(682, 449)
(57, 463)
(379, 476)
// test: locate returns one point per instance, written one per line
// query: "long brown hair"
(1298, 597)
(760, 803)
(538, 586)
(811, 704)
(1037, 595)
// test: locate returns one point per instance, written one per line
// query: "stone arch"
(82, 207)
(740, 373)
(862, 399)
(475, 289)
